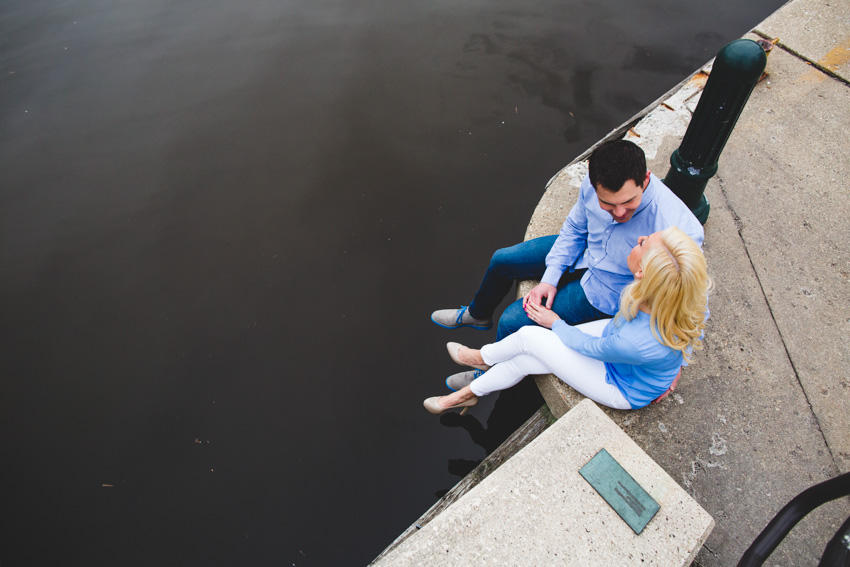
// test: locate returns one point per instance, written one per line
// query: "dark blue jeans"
(524, 261)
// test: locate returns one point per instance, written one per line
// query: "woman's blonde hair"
(674, 289)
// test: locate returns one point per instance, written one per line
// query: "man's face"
(622, 204)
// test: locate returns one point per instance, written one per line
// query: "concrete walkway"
(765, 410)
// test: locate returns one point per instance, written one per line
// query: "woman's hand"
(541, 315)
(537, 294)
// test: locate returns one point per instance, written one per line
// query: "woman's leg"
(506, 374)
(535, 350)
(455, 398)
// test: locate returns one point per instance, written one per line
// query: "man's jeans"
(526, 261)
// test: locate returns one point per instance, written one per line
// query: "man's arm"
(571, 242)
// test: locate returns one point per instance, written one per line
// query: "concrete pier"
(764, 411)
(536, 509)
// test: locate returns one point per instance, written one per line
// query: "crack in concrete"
(740, 226)
(802, 57)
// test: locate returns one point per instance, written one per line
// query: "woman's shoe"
(432, 405)
(453, 348)
(670, 389)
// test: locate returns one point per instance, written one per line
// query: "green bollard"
(736, 69)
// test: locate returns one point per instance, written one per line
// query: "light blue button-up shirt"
(592, 239)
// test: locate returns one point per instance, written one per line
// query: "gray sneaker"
(457, 318)
(461, 380)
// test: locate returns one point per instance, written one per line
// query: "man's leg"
(522, 261)
(570, 304)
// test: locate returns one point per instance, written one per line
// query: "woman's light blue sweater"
(640, 366)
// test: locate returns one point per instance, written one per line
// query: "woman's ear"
(639, 274)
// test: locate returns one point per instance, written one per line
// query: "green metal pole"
(736, 69)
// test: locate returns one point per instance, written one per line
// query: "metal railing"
(837, 552)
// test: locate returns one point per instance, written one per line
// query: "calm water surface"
(223, 226)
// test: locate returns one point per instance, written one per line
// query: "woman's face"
(636, 255)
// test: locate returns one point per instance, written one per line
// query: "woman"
(623, 363)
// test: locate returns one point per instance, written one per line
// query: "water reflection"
(511, 410)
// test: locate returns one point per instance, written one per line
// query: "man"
(583, 269)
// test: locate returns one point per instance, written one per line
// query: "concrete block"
(536, 509)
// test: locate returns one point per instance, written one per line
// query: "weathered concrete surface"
(536, 509)
(817, 30)
(790, 199)
(765, 411)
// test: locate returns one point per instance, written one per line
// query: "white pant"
(536, 350)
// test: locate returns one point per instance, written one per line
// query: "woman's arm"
(612, 348)
(540, 314)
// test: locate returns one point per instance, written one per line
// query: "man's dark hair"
(615, 162)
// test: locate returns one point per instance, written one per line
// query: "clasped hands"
(532, 302)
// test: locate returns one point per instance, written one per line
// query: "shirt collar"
(648, 194)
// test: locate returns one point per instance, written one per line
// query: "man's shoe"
(461, 380)
(457, 318)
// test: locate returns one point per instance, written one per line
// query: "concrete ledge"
(535, 425)
(536, 509)
(668, 119)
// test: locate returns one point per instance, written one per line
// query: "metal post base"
(702, 210)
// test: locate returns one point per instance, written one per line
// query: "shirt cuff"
(552, 276)
(562, 330)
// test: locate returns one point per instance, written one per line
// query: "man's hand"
(537, 294)
(541, 315)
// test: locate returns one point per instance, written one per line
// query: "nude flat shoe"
(453, 348)
(432, 405)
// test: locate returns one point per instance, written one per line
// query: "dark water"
(223, 226)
